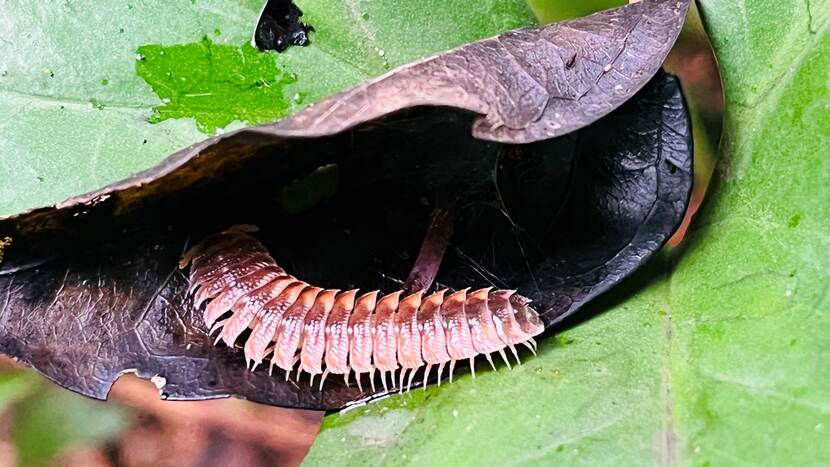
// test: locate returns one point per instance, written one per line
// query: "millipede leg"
(372, 379)
(273, 363)
(357, 377)
(452, 367)
(515, 354)
(426, 375)
(534, 344)
(473, 366)
(440, 372)
(218, 339)
(311, 381)
(411, 376)
(504, 357)
(403, 376)
(346, 378)
(527, 344)
(490, 359)
(216, 326)
(323, 379)
(383, 379)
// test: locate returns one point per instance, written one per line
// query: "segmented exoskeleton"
(293, 321)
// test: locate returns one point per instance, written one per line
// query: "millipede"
(329, 331)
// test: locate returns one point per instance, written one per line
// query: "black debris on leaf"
(279, 26)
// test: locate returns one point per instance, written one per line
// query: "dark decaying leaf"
(90, 288)
(530, 84)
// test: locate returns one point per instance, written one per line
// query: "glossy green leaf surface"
(716, 354)
(750, 354)
(94, 91)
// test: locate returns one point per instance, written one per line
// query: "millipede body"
(327, 331)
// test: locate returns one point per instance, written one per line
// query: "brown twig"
(432, 251)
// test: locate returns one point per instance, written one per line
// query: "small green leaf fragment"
(216, 84)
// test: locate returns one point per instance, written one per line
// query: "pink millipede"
(295, 322)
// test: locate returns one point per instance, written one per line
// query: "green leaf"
(85, 98)
(716, 355)
(751, 360)
(15, 385)
(551, 11)
(55, 418)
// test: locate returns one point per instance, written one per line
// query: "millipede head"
(526, 316)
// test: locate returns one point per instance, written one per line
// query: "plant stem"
(432, 252)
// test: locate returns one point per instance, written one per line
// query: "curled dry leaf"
(91, 288)
(529, 85)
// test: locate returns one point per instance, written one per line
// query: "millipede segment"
(326, 331)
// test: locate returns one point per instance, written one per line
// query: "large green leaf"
(716, 355)
(751, 302)
(92, 91)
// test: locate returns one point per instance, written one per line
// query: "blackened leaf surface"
(637, 180)
(529, 85)
(91, 290)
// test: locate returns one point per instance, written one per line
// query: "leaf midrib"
(74, 102)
